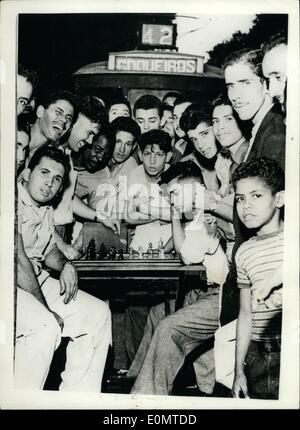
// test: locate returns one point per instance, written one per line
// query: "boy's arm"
(243, 337)
(68, 279)
(178, 231)
(84, 211)
(222, 206)
(134, 216)
(68, 250)
(27, 279)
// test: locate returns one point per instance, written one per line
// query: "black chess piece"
(121, 254)
(91, 250)
(113, 255)
(102, 253)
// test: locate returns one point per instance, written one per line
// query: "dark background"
(56, 45)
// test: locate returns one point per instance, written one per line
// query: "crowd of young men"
(127, 167)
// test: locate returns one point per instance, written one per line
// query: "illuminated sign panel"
(156, 63)
(158, 35)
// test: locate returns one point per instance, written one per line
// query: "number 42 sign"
(158, 35)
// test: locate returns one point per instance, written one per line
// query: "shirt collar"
(237, 150)
(24, 196)
(258, 118)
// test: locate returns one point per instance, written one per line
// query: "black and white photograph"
(149, 205)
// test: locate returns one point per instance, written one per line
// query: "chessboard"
(112, 256)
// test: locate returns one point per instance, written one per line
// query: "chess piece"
(91, 250)
(161, 253)
(121, 255)
(102, 252)
(130, 253)
(150, 251)
(140, 252)
(113, 253)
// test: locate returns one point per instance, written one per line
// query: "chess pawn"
(130, 253)
(92, 250)
(140, 251)
(160, 247)
(121, 255)
(150, 250)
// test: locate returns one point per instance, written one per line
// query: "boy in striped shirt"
(259, 193)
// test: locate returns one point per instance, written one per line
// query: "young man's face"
(246, 90)
(256, 205)
(183, 193)
(147, 119)
(56, 119)
(22, 145)
(204, 140)
(123, 147)
(96, 156)
(45, 180)
(274, 69)
(225, 127)
(24, 93)
(118, 110)
(82, 133)
(166, 123)
(153, 159)
(177, 113)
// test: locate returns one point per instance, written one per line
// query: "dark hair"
(30, 75)
(23, 124)
(155, 137)
(93, 109)
(251, 57)
(265, 169)
(165, 106)
(56, 154)
(51, 98)
(123, 123)
(118, 100)
(193, 115)
(146, 102)
(182, 170)
(182, 98)
(175, 94)
(275, 40)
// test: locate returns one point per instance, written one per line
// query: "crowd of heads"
(112, 131)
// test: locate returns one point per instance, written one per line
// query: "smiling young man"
(248, 93)
(58, 303)
(55, 115)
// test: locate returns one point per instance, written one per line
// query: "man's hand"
(68, 282)
(71, 253)
(240, 386)
(113, 224)
(59, 320)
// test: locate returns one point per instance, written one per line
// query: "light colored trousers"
(168, 340)
(87, 322)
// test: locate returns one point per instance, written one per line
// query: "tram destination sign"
(155, 62)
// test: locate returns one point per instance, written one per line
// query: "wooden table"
(169, 268)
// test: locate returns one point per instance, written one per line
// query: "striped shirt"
(256, 260)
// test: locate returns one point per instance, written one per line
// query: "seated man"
(167, 340)
(83, 318)
(146, 206)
